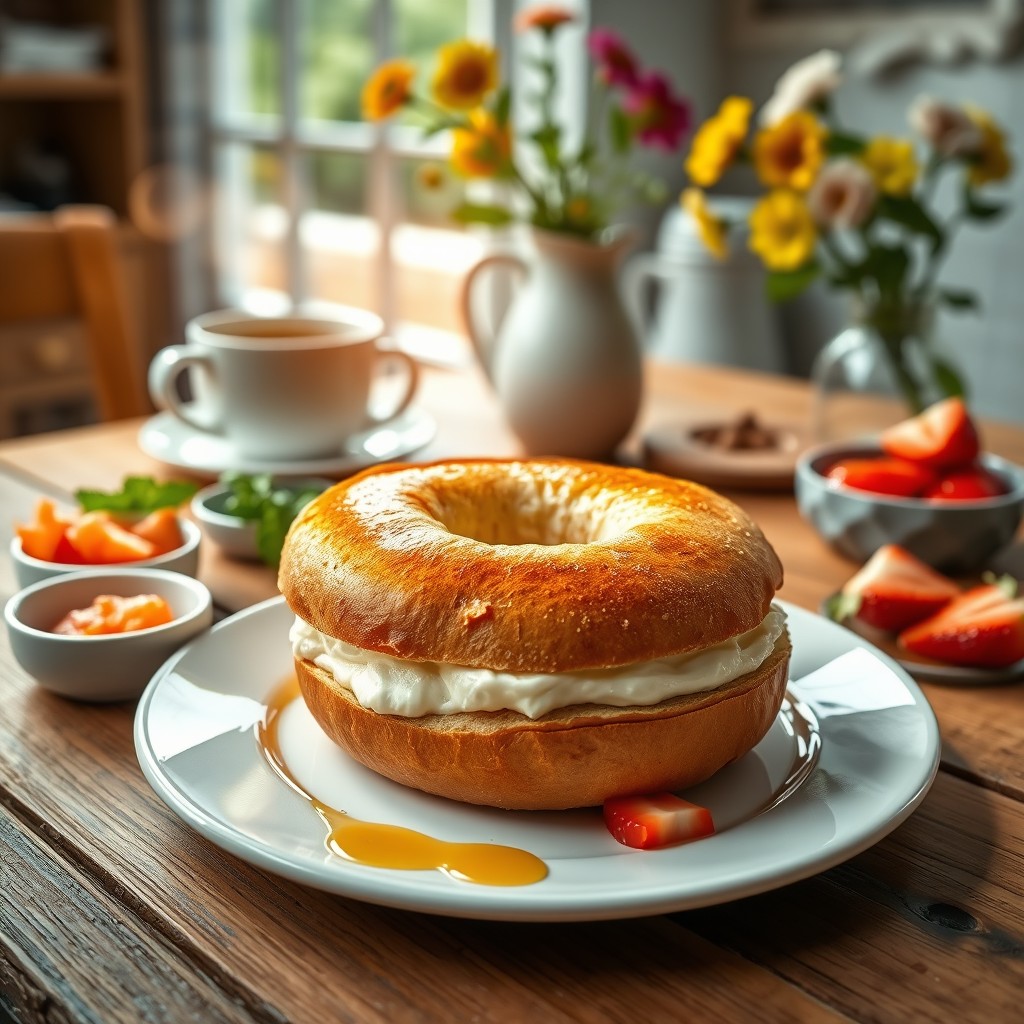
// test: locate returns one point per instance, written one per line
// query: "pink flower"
(616, 65)
(660, 118)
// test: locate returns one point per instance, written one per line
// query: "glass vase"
(878, 370)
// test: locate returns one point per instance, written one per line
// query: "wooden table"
(111, 909)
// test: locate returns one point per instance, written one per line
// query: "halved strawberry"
(882, 476)
(941, 436)
(661, 819)
(893, 590)
(983, 628)
(970, 484)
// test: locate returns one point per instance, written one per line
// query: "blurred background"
(225, 136)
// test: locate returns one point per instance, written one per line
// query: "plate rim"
(400, 889)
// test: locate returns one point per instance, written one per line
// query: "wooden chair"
(55, 270)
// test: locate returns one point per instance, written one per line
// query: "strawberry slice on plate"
(660, 819)
(896, 477)
(970, 484)
(983, 628)
(892, 591)
(941, 436)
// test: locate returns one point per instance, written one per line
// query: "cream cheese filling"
(391, 686)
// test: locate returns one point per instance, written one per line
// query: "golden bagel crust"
(467, 563)
(575, 757)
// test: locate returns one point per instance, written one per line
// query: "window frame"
(294, 138)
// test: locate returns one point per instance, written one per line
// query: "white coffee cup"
(287, 388)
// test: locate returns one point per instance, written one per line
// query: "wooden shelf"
(40, 86)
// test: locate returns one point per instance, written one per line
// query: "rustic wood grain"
(927, 925)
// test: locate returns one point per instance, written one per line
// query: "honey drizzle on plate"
(391, 846)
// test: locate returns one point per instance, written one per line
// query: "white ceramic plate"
(785, 811)
(166, 438)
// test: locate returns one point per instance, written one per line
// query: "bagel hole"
(528, 510)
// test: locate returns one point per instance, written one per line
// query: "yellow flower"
(892, 164)
(782, 230)
(387, 89)
(788, 153)
(466, 73)
(992, 162)
(718, 141)
(431, 177)
(579, 209)
(713, 230)
(483, 149)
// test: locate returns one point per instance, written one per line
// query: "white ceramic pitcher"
(565, 361)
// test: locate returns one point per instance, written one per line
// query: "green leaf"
(888, 265)
(482, 213)
(783, 285)
(141, 494)
(1006, 583)
(549, 138)
(503, 106)
(443, 124)
(255, 498)
(840, 607)
(620, 130)
(947, 377)
(958, 298)
(910, 214)
(840, 144)
(978, 209)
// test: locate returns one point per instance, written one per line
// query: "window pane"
(248, 65)
(337, 57)
(430, 254)
(341, 243)
(251, 225)
(419, 27)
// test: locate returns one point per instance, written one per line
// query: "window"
(312, 203)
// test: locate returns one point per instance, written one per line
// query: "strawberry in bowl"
(924, 485)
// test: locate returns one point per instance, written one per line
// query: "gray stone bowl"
(956, 537)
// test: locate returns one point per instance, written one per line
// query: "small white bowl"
(235, 536)
(112, 667)
(183, 559)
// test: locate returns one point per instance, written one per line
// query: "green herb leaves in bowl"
(269, 504)
(139, 495)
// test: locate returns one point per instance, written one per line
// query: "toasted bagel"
(527, 566)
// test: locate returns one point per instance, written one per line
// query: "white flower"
(806, 82)
(843, 195)
(946, 128)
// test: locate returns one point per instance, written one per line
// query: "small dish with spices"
(88, 635)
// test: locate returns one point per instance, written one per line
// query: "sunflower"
(782, 230)
(992, 162)
(789, 153)
(483, 149)
(892, 164)
(718, 141)
(387, 89)
(466, 73)
(713, 230)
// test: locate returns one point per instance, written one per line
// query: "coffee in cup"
(281, 388)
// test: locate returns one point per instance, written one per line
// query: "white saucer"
(168, 439)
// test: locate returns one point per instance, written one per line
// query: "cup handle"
(167, 365)
(412, 369)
